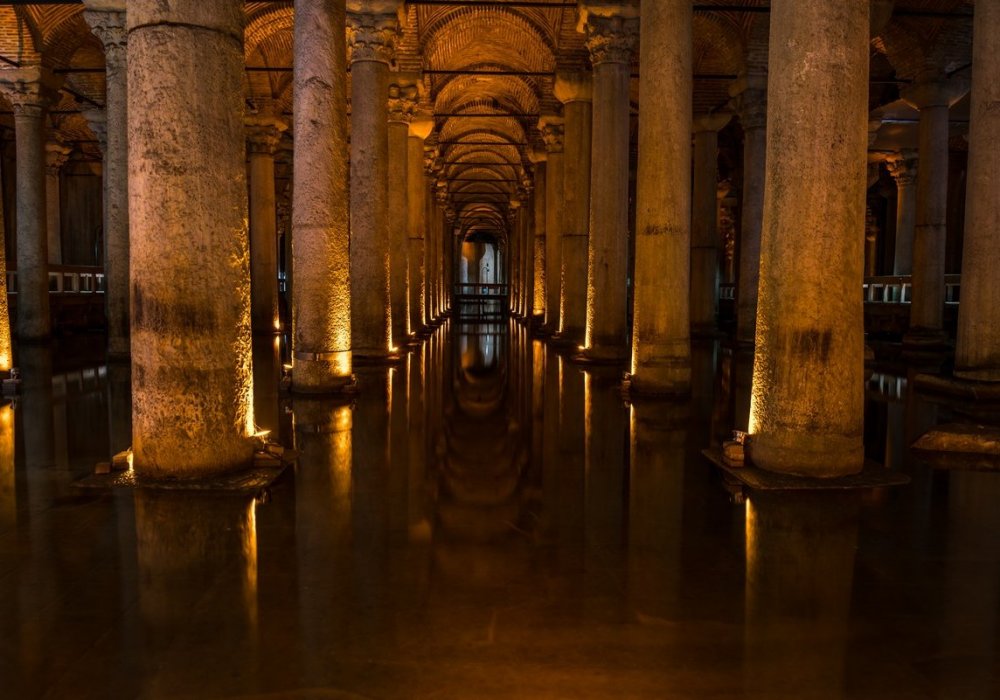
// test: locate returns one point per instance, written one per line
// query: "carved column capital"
(903, 167)
(553, 133)
(108, 25)
(612, 31)
(372, 37)
(30, 90)
(402, 103)
(264, 133)
(573, 86)
(56, 155)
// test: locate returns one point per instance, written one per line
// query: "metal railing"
(67, 280)
(898, 289)
(481, 290)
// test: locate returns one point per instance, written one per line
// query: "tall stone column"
(977, 353)
(373, 30)
(612, 32)
(515, 226)
(321, 293)
(107, 20)
(192, 385)
(56, 156)
(933, 99)
(528, 241)
(903, 168)
(449, 243)
(705, 241)
(438, 249)
(263, 135)
(30, 91)
(430, 188)
(402, 102)
(751, 103)
(416, 206)
(661, 341)
(540, 160)
(807, 408)
(575, 91)
(552, 129)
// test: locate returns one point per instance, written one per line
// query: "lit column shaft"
(977, 354)
(372, 39)
(903, 168)
(611, 37)
(807, 407)
(552, 133)
(321, 293)
(416, 207)
(575, 91)
(56, 156)
(661, 343)
(539, 158)
(263, 135)
(192, 387)
(402, 102)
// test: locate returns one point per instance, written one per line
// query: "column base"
(963, 385)
(369, 359)
(322, 375)
(658, 382)
(599, 355)
(806, 454)
(925, 339)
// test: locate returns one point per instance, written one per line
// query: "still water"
(487, 520)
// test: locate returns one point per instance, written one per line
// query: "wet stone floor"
(487, 520)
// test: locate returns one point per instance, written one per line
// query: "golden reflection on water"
(8, 493)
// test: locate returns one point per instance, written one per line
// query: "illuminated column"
(752, 108)
(6, 351)
(807, 409)
(515, 225)
(704, 223)
(575, 91)
(448, 263)
(192, 388)
(416, 207)
(430, 190)
(903, 168)
(437, 247)
(933, 99)
(528, 243)
(552, 133)
(321, 293)
(977, 353)
(612, 32)
(661, 342)
(263, 135)
(539, 158)
(30, 92)
(107, 20)
(56, 156)
(373, 30)
(402, 102)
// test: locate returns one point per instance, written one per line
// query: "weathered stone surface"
(661, 347)
(416, 205)
(807, 405)
(192, 385)
(903, 168)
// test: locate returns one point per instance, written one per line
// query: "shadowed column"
(704, 224)
(263, 135)
(903, 168)
(552, 132)
(402, 102)
(416, 205)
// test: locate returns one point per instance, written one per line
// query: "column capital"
(264, 133)
(903, 167)
(612, 30)
(56, 155)
(935, 93)
(710, 122)
(430, 157)
(402, 102)
(373, 30)
(30, 90)
(574, 86)
(97, 120)
(107, 22)
(749, 93)
(553, 132)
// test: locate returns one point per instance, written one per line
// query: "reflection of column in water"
(605, 431)
(537, 412)
(971, 624)
(704, 355)
(8, 492)
(197, 555)
(418, 524)
(266, 377)
(36, 413)
(722, 405)
(742, 386)
(323, 515)
(895, 447)
(564, 400)
(119, 406)
(656, 491)
(800, 550)
(399, 452)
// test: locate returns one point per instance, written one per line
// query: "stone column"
(552, 129)
(416, 206)
(437, 248)
(751, 103)
(373, 30)
(107, 20)
(661, 342)
(517, 254)
(977, 353)
(448, 263)
(263, 135)
(612, 32)
(56, 156)
(704, 224)
(430, 190)
(321, 293)
(807, 409)
(192, 386)
(933, 99)
(528, 239)
(539, 158)
(903, 168)
(575, 91)
(30, 91)
(402, 102)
